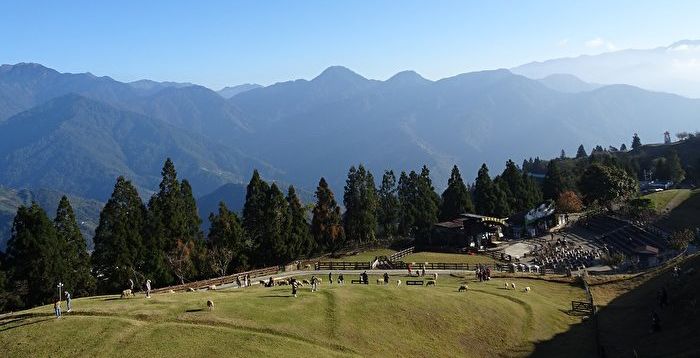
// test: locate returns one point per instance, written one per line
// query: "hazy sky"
(231, 42)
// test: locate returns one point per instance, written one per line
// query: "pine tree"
(193, 232)
(456, 199)
(273, 248)
(35, 256)
(562, 155)
(326, 226)
(675, 170)
(298, 237)
(426, 205)
(581, 152)
(554, 182)
(168, 233)
(360, 199)
(226, 234)
(254, 209)
(119, 246)
(79, 280)
(501, 206)
(406, 193)
(518, 193)
(623, 147)
(484, 192)
(636, 142)
(388, 209)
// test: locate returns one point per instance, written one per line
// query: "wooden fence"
(401, 254)
(219, 280)
(343, 265)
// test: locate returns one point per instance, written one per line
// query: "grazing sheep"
(210, 304)
(171, 291)
(512, 285)
(398, 283)
(435, 276)
(527, 289)
(463, 288)
(212, 287)
(430, 283)
(380, 281)
(126, 293)
(191, 289)
(506, 285)
(306, 282)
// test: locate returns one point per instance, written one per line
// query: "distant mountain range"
(228, 92)
(76, 133)
(674, 68)
(87, 211)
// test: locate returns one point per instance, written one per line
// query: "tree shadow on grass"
(195, 310)
(3, 325)
(275, 296)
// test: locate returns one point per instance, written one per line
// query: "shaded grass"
(662, 199)
(365, 256)
(685, 215)
(356, 320)
(421, 257)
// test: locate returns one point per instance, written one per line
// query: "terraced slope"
(352, 320)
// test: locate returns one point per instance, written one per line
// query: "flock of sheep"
(284, 282)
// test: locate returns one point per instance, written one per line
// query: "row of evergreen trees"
(162, 240)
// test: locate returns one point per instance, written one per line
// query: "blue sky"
(220, 43)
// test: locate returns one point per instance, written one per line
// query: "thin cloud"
(563, 43)
(598, 43)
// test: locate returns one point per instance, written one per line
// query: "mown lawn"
(422, 257)
(352, 320)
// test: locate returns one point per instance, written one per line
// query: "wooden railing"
(401, 254)
(219, 280)
(343, 265)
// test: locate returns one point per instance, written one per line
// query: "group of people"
(341, 279)
(57, 305)
(243, 283)
(419, 273)
(483, 273)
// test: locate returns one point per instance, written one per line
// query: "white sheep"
(512, 285)
(506, 285)
(191, 289)
(171, 291)
(127, 293)
(435, 276)
(212, 287)
(527, 289)
(398, 283)
(210, 304)
(380, 281)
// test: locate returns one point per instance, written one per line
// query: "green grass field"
(668, 199)
(353, 320)
(421, 257)
(685, 214)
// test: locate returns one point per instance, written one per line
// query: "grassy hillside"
(626, 306)
(667, 200)
(352, 320)
(685, 215)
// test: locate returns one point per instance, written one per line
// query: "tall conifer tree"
(119, 246)
(388, 208)
(456, 199)
(326, 225)
(35, 256)
(79, 278)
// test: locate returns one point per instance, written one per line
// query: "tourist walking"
(330, 277)
(386, 278)
(238, 281)
(293, 282)
(340, 279)
(57, 308)
(313, 283)
(69, 303)
(409, 269)
(148, 288)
